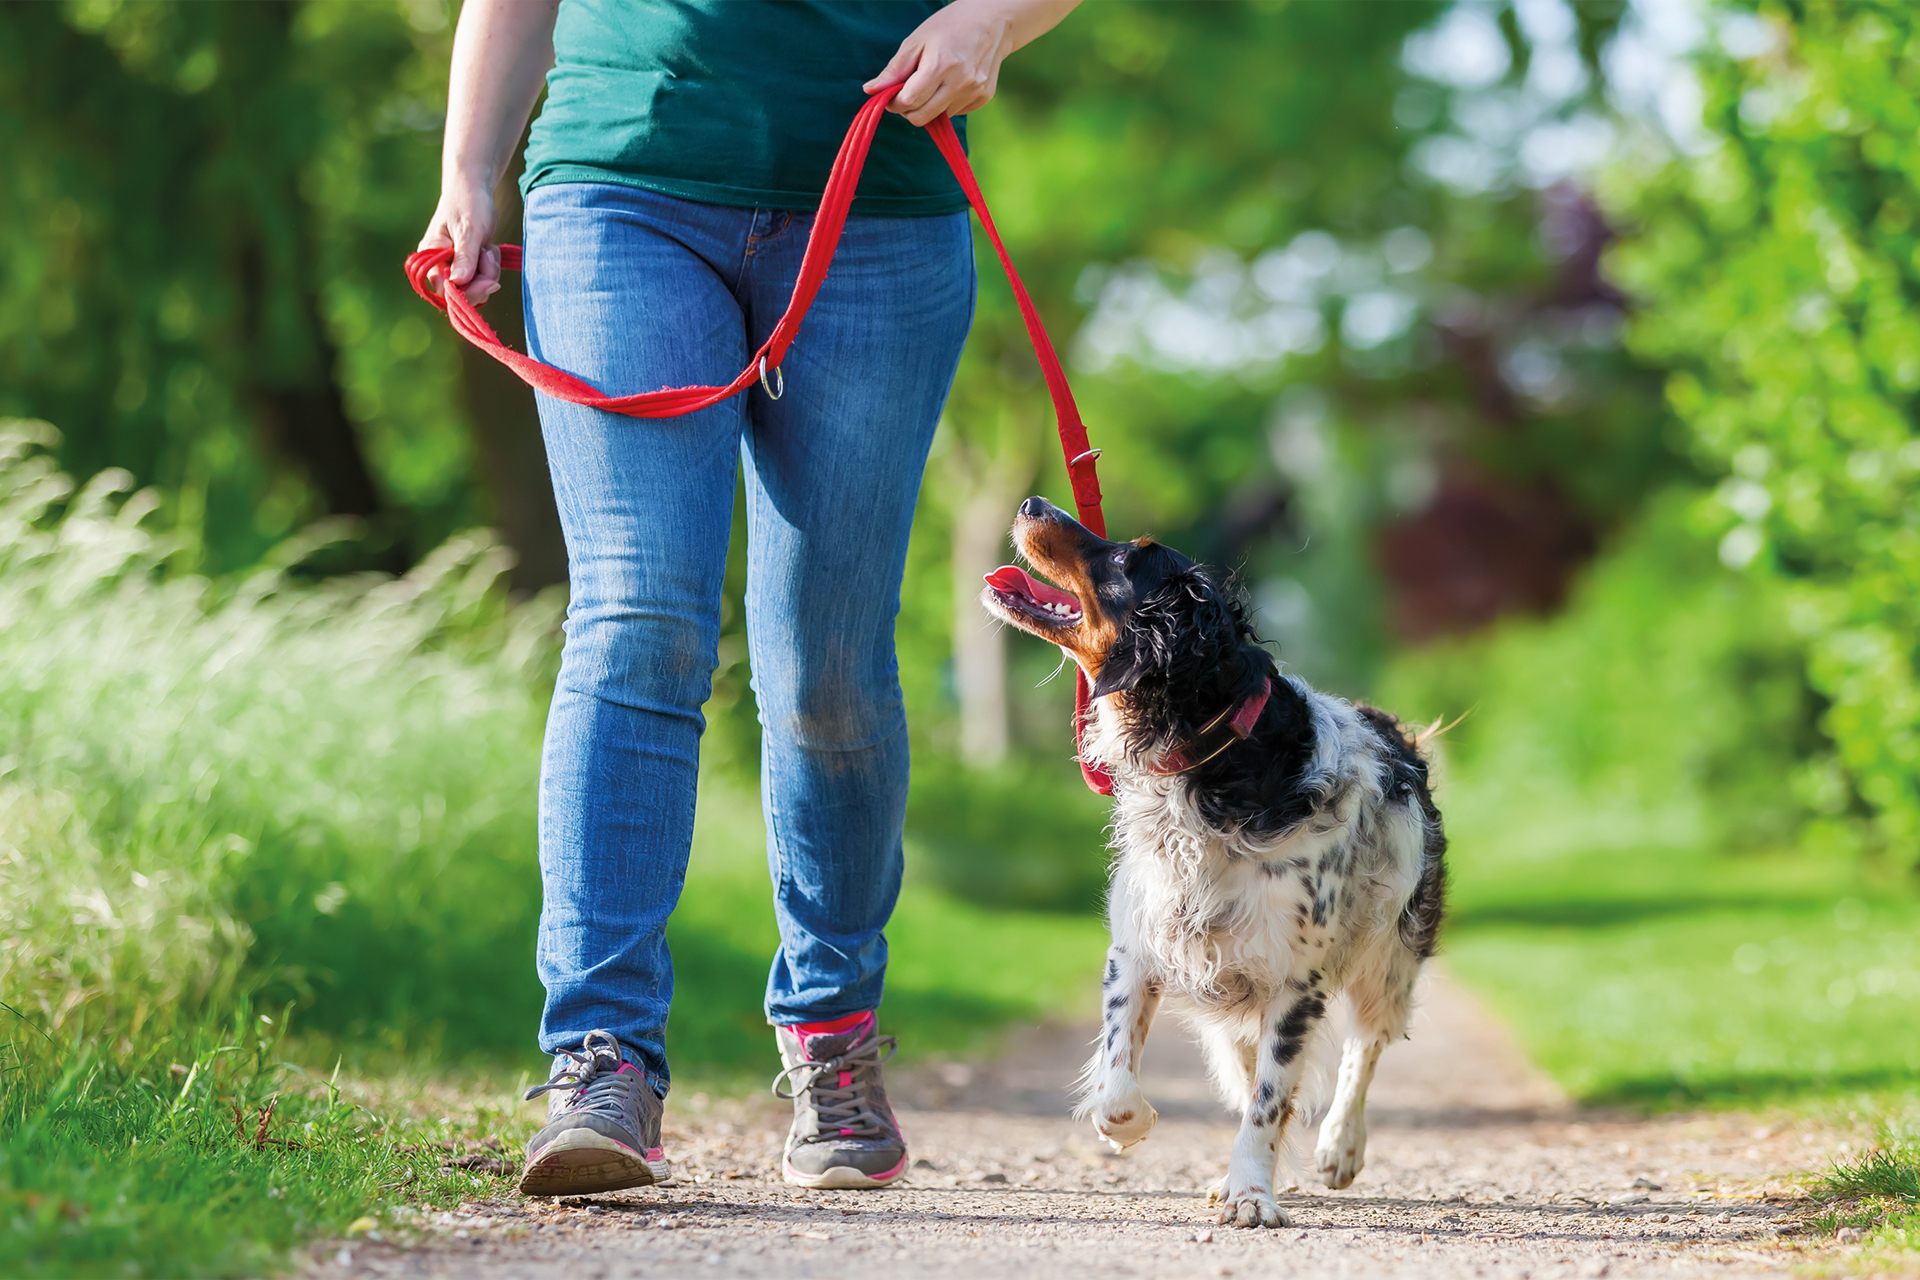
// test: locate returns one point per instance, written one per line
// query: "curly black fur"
(1185, 653)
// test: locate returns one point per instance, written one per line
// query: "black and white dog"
(1275, 847)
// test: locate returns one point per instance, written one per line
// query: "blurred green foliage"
(1154, 146)
(1670, 698)
(1779, 277)
(200, 227)
(1633, 888)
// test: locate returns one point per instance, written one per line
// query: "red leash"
(835, 201)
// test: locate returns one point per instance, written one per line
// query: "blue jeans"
(634, 291)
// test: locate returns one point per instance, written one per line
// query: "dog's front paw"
(1125, 1121)
(1342, 1150)
(1246, 1207)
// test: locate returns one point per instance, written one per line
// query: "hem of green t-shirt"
(744, 197)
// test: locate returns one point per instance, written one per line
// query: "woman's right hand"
(465, 222)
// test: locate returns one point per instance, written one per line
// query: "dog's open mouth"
(1019, 590)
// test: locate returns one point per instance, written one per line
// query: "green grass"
(1877, 1191)
(203, 1155)
(1884, 1174)
(1642, 962)
(1671, 977)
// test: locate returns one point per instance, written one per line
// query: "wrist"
(469, 175)
(997, 16)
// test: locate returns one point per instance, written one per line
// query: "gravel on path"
(1476, 1167)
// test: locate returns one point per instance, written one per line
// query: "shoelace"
(591, 1073)
(843, 1112)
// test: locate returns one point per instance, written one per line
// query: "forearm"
(501, 52)
(1026, 20)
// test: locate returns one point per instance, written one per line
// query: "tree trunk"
(293, 384)
(310, 425)
(980, 520)
(506, 427)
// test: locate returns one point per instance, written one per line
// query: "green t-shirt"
(736, 102)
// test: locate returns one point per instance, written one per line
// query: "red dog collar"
(1238, 721)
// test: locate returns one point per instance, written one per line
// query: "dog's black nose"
(1034, 508)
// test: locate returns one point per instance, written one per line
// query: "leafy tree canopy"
(1779, 276)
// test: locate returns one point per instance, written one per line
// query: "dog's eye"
(1120, 556)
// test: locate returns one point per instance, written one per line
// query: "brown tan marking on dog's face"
(1093, 584)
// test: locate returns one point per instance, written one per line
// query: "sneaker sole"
(582, 1162)
(841, 1178)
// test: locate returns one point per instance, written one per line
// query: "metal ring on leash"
(781, 379)
(1080, 458)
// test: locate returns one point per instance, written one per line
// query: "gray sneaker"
(603, 1126)
(844, 1133)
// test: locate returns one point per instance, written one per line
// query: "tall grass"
(312, 793)
(217, 798)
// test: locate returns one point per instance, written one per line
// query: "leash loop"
(835, 203)
(779, 377)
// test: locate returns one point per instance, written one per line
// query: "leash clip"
(779, 379)
(1077, 459)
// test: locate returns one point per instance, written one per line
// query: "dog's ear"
(1182, 628)
(1122, 670)
(1206, 631)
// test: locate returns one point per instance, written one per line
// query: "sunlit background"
(1551, 364)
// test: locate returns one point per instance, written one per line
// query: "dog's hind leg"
(1230, 1061)
(1110, 1089)
(1382, 994)
(1289, 1023)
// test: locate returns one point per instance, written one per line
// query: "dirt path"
(1476, 1167)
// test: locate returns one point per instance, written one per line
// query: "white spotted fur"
(1211, 924)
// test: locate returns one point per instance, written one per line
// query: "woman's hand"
(465, 222)
(951, 62)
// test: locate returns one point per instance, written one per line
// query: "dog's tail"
(1419, 738)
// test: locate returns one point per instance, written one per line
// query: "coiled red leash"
(835, 201)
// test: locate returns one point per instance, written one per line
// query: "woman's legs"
(629, 290)
(833, 474)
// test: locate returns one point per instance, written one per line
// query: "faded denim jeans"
(633, 291)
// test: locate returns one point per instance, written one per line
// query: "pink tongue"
(1016, 581)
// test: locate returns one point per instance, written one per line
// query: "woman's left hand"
(951, 62)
